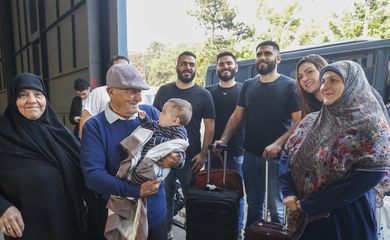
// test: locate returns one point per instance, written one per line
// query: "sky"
(167, 21)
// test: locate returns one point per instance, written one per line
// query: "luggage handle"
(265, 212)
(219, 147)
(213, 188)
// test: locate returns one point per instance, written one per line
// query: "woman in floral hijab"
(339, 160)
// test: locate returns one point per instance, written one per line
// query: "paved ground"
(178, 232)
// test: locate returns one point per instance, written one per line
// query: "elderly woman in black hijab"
(41, 183)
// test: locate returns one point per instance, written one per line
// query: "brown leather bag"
(266, 231)
(233, 179)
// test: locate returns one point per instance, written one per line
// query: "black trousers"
(159, 232)
(96, 216)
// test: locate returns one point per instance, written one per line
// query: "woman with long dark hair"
(308, 82)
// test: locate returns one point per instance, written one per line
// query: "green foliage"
(351, 23)
(214, 15)
(219, 19)
(158, 64)
(244, 32)
(280, 26)
(314, 34)
(283, 25)
(208, 53)
(223, 31)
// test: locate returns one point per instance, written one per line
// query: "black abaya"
(39, 170)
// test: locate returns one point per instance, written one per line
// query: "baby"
(166, 136)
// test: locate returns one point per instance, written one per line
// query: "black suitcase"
(212, 213)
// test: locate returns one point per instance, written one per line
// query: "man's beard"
(269, 68)
(184, 79)
(227, 78)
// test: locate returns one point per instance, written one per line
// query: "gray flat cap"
(125, 76)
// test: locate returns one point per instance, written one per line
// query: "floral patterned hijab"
(350, 134)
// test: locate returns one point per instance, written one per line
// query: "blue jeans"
(185, 176)
(254, 179)
(235, 163)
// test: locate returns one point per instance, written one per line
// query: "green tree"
(224, 33)
(214, 15)
(310, 32)
(219, 19)
(286, 25)
(351, 23)
(210, 50)
(279, 26)
(207, 55)
(158, 64)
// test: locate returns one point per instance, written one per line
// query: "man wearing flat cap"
(101, 152)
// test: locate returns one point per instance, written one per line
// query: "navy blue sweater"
(350, 204)
(101, 154)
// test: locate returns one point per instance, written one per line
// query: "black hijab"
(25, 142)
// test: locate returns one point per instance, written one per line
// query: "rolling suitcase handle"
(222, 147)
(262, 229)
(265, 212)
(223, 178)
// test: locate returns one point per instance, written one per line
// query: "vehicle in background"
(372, 55)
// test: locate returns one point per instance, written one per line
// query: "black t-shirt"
(225, 101)
(268, 108)
(314, 103)
(202, 107)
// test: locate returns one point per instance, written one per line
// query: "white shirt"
(97, 100)
(112, 117)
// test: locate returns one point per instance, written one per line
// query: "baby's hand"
(170, 160)
(141, 114)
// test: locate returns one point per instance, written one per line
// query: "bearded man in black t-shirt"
(202, 108)
(225, 95)
(269, 104)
